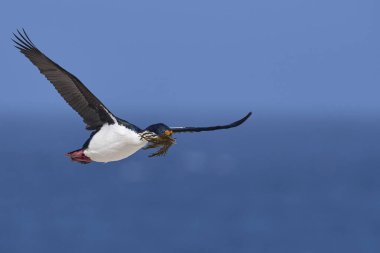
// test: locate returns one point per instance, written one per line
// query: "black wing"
(212, 128)
(93, 112)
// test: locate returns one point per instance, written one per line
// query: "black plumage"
(76, 94)
(212, 128)
(97, 117)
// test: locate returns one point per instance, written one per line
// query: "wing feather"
(211, 128)
(75, 93)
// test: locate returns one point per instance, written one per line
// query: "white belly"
(113, 143)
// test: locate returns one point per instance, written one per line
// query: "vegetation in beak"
(163, 142)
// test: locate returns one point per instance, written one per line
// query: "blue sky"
(165, 56)
(307, 184)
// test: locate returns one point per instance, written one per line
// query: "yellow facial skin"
(168, 132)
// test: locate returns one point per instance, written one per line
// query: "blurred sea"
(275, 184)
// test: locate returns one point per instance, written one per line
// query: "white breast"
(113, 143)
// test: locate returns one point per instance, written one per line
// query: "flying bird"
(112, 138)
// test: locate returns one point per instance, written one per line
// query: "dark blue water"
(276, 184)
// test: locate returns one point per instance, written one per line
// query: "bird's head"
(159, 129)
(158, 136)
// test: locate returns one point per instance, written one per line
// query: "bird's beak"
(168, 132)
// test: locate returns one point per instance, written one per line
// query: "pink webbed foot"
(79, 156)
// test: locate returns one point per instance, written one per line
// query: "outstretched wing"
(93, 112)
(211, 128)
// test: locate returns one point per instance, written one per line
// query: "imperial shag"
(112, 138)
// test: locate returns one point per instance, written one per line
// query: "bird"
(112, 138)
